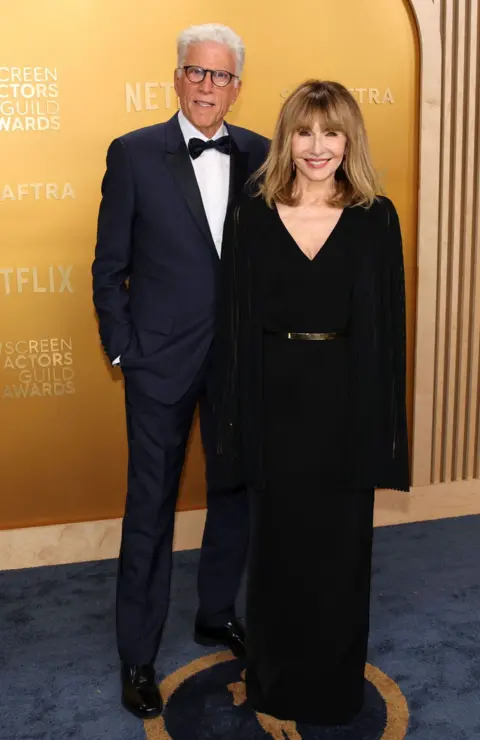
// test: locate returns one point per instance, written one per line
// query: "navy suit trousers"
(157, 439)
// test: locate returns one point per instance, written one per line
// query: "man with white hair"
(164, 197)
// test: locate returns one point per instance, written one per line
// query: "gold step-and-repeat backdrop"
(76, 74)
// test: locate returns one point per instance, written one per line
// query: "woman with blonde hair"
(311, 342)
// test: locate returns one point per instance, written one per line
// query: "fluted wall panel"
(446, 427)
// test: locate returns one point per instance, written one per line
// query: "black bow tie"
(197, 146)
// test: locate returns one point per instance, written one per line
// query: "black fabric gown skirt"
(310, 556)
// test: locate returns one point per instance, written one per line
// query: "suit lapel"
(180, 165)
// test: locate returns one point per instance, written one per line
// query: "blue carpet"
(59, 670)
(205, 703)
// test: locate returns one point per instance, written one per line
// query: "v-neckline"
(296, 244)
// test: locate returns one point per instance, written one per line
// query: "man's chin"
(203, 120)
(206, 122)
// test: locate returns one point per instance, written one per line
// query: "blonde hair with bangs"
(356, 180)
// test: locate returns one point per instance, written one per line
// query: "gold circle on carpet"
(396, 705)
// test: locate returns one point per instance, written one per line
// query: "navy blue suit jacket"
(156, 266)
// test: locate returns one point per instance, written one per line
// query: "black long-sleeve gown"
(291, 421)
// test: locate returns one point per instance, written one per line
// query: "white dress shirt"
(212, 170)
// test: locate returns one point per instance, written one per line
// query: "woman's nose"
(318, 144)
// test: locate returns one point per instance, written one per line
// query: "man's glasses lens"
(220, 77)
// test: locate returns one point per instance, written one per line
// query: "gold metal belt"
(310, 336)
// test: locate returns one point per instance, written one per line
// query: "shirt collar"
(190, 132)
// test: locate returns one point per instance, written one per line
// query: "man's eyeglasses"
(219, 77)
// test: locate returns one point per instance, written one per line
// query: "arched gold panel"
(72, 77)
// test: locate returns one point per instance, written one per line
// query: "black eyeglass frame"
(204, 70)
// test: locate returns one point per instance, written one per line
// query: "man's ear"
(176, 77)
(238, 87)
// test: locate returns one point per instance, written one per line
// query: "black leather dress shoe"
(231, 634)
(140, 694)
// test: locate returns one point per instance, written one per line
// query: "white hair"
(211, 32)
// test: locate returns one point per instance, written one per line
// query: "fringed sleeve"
(396, 464)
(238, 357)
(226, 358)
(378, 430)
